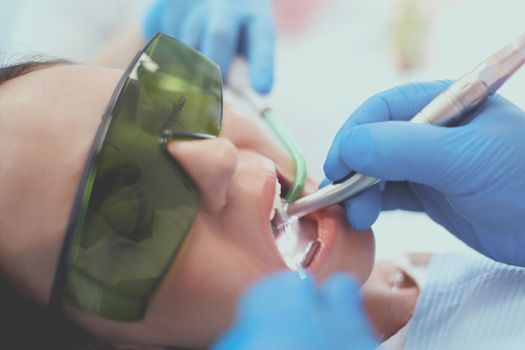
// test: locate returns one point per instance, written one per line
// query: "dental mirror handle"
(462, 96)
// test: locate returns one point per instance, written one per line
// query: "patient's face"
(48, 119)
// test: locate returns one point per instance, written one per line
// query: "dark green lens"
(138, 204)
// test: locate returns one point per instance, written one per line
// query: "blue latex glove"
(469, 178)
(220, 29)
(283, 312)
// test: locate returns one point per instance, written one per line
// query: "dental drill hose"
(261, 106)
(293, 149)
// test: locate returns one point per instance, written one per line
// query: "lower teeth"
(309, 253)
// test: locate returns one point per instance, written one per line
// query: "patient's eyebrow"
(16, 70)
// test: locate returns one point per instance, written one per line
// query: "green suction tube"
(292, 147)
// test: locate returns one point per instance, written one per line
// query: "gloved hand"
(283, 312)
(220, 29)
(469, 178)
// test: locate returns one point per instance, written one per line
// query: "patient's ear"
(390, 295)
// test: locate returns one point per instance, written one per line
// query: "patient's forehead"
(52, 100)
(48, 119)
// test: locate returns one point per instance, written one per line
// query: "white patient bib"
(469, 302)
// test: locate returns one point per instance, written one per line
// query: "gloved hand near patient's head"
(469, 178)
(220, 29)
(283, 312)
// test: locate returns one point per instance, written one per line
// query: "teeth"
(276, 200)
(309, 253)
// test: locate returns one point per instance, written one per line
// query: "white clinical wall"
(71, 29)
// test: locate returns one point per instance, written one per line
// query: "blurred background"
(331, 55)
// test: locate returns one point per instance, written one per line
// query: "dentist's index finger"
(192, 29)
(401, 103)
(221, 39)
(260, 54)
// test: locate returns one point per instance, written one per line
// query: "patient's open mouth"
(297, 240)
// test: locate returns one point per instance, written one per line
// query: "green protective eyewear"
(135, 205)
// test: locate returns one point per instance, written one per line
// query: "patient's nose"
(211, 164)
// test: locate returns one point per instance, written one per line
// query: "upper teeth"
(276, 200)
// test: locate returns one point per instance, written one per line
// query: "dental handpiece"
(462, 96)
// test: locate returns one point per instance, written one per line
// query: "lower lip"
(327, 220)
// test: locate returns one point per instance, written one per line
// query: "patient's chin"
(358, 259)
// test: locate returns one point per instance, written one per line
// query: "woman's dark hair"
(14, 71)
(25, 324)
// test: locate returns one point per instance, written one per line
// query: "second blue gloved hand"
(283, 312)
(220, 29)
(468, 178)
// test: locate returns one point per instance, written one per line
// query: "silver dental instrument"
(462, 96)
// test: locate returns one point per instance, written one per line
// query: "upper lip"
(268, 195)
